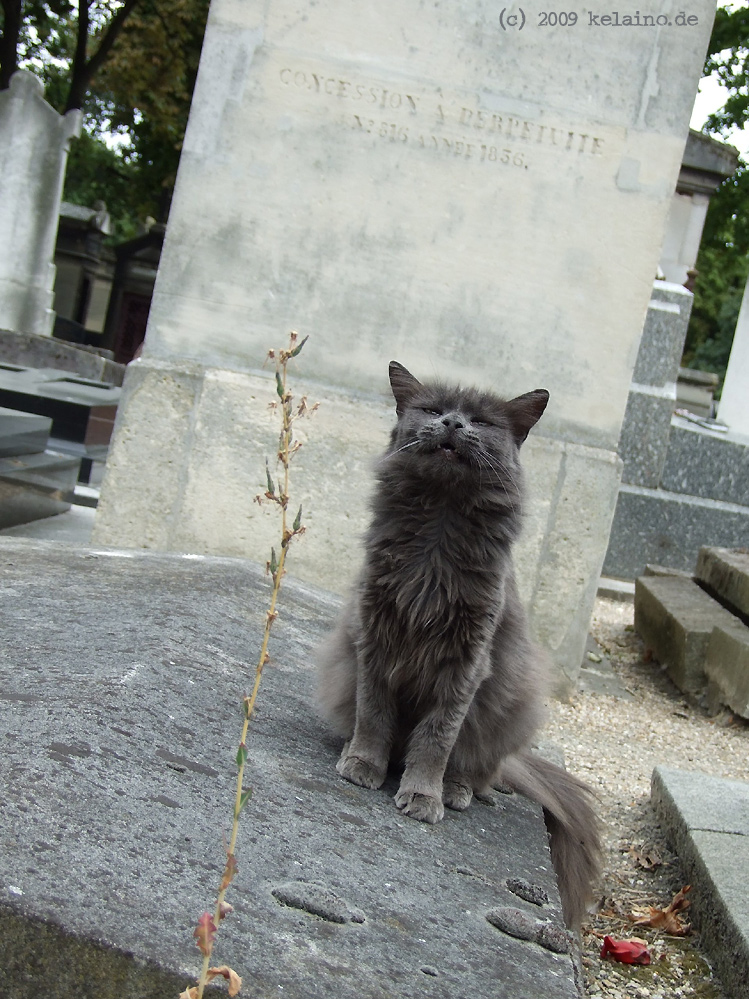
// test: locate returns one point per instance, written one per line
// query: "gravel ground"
(614, 742)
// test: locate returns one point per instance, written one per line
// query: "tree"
(130, 65)
(723, 261)
(33, 30)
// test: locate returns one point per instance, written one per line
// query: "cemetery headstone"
(479, 194)
(34, 142)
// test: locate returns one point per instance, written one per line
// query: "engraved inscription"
(333, 86)
(433, 122)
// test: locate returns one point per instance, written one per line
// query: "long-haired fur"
(431, 664)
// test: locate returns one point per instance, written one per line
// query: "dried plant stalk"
(205, 931)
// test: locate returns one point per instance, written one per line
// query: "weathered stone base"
(653, 525)
(727, 667)
(697, 627)
(675, 618)
(174, 483)
(726, 573)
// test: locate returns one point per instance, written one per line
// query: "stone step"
(22, 433)
(725, 573)
(727, 667)
(675, 618)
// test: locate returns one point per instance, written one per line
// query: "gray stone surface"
(34, 486)
(727, 667)
(706, 463)
(644, 438)
(28, 350)
(662, 343)
(725, 572)
(675, 618)
(655, 525)
(707, 820)
(643, 441)
(22, 433)
(121, 675)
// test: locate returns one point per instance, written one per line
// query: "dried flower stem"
(287, 447)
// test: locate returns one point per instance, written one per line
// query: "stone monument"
(734, 400)
(34, 142)
(478, 193)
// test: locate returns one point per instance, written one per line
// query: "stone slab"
(703, 462)
(121, 677)
(675, 618)
(28, 350)
(81, 409)
(727, 667)
(34, 486)
(725, 573)
(655, 525)
(707, 820)
(22, 433)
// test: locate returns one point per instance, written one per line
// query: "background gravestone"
(34, 142)
(480, 196)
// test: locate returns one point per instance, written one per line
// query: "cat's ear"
(526, 411)
(403, 384)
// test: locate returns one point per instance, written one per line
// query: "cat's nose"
(453, 421)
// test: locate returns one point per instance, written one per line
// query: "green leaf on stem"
(271, 487)
(296, 350)
(298, 520)
(279, 385)
(245, 797)
(241, 755)
(273, 562)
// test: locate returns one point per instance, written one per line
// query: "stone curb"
(707, 821)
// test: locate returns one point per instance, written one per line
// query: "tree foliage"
(130, 65)
(723, 261)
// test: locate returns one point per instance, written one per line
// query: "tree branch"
(9, 41)
(84, 70)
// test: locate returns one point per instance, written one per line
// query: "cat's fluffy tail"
(574, 836)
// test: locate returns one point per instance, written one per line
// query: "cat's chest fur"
(433, 584)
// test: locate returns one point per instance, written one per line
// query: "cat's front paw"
(424, 807)
(360, 771)
(456, 795)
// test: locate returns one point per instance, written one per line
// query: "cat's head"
(460, 435)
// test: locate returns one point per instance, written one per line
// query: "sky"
(713, 96)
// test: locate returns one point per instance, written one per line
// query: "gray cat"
(431, 665)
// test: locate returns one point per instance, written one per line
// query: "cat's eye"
(478, 422)
(431, 412)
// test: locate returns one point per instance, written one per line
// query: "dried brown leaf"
(235, 982)
(668, 920)
(646, 857)
(205, 933)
